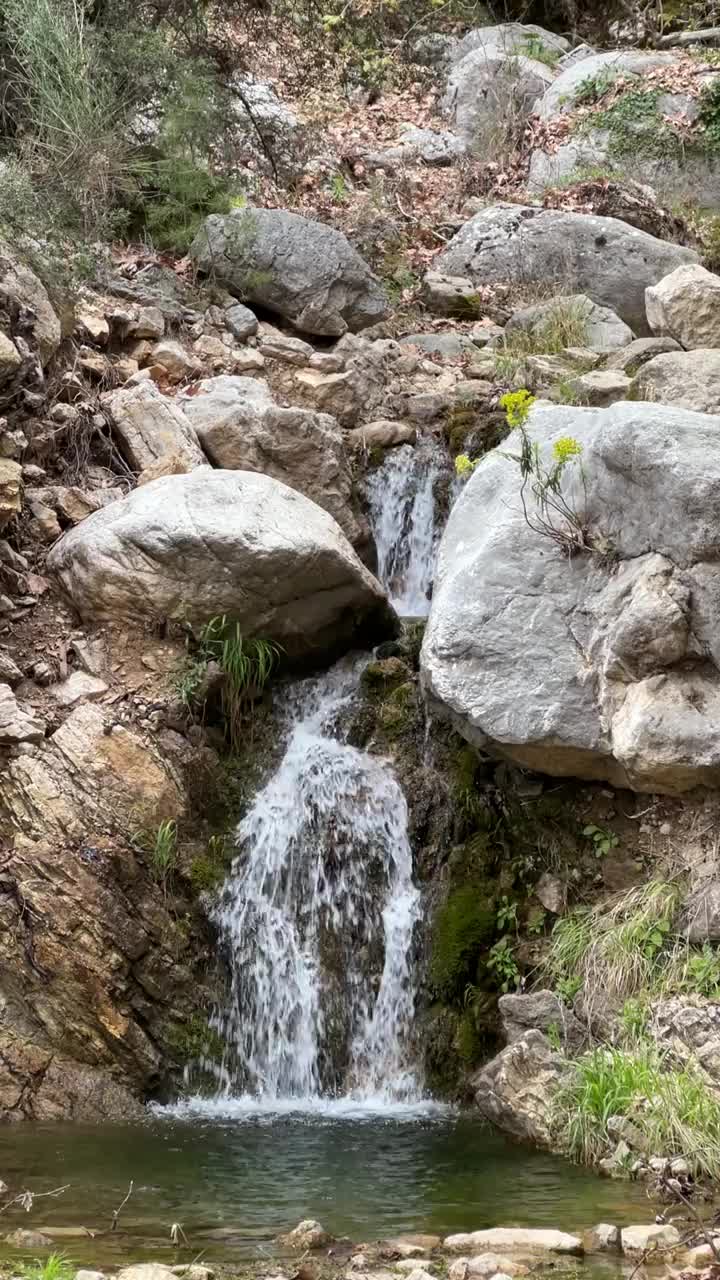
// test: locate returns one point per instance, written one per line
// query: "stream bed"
(236, 1180)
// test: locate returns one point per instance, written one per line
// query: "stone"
(10, 358)
(515, 1091)
(602, 257)
(10, 672)
(146, 1271)
(409, 1265)
(687, 379)
(17, 725)
(287, 349)
(175, 360)
(689, 1028)
(449, 295)
(298, 268)
(485, 1265)
(268, 136)
(326, 362)
(306, 1235)
(528, 1239)
(685, 305)
(585, 151)
(412, 1244)
(551, 893)
(74, 504)
(83, 1274)
(603, 330)
(440, 344)
(224, 542)
(540, 1011)
(148, 323)
(599, 387)
(604, 1238)
(194, 1271)
(23, 296)
(247, 361)
(241, 321)
(169, 464)
(600, 690)
(382, 434)
(78, 687)
(90, 322)
(24, 1239)
(702, 1255)
(436, 148)
(509, 38)
(657, 1236)
(560, 97)
(632, 357)
(242, 429)
(489, 93)
(150, 426)
(11, 489)
(701, 914)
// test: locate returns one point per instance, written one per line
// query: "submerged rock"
(224, 542)
(575, 666)
(528, 1239)
(308, 1234)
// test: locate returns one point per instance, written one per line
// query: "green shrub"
(246, 663)
(464, 924)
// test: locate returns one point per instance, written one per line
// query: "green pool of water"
(235, 1181)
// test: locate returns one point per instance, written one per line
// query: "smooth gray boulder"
(526, 39)
(632, 358)
(605, 665)
(242, 429)
(490, 96)
(191, 547)
(298, 268)
(527, 247)
(562, 94)
(688, 379)
(599, 328)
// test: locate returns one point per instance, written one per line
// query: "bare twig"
(27, 1198)
(116, 1212)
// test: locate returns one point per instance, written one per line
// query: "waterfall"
(401, 497)
(317, 919)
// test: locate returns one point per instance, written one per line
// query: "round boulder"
(192, 547)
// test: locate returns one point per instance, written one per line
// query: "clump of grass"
(246, 664)
(55, 1267)
(564, 324)
(674, 1110)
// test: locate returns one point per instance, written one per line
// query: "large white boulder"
(191, 547)
(527, 1239)
(490, 96)
(524, 38)
(688, 379)
(686, 306)
(522, 246)
(602, 665)
(301, 269)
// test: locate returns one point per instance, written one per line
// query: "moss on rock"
(464, 924)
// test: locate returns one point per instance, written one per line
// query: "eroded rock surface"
(588, 667)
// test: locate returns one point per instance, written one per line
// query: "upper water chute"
(405, 523)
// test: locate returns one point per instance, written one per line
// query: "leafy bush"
(464, 924)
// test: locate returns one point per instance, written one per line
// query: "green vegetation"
(594, 88)
(629, 949)
(672, 1109)
(246, 665)
(55, 1267)
(553, 515)
(502, 964)
(208, 870)
(602, 841)
(196, 1039)
(463, 926)
(536, 48)
(163, 852)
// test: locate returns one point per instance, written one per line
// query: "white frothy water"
(317, 921)
(401, 496)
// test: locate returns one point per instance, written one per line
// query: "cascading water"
(318, 915)
(401, 496)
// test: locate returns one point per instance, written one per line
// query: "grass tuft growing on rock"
(672, 1111)
(55, 1267)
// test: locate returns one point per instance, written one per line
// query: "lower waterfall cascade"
(317, 918)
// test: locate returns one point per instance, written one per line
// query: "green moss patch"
(464, 925)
